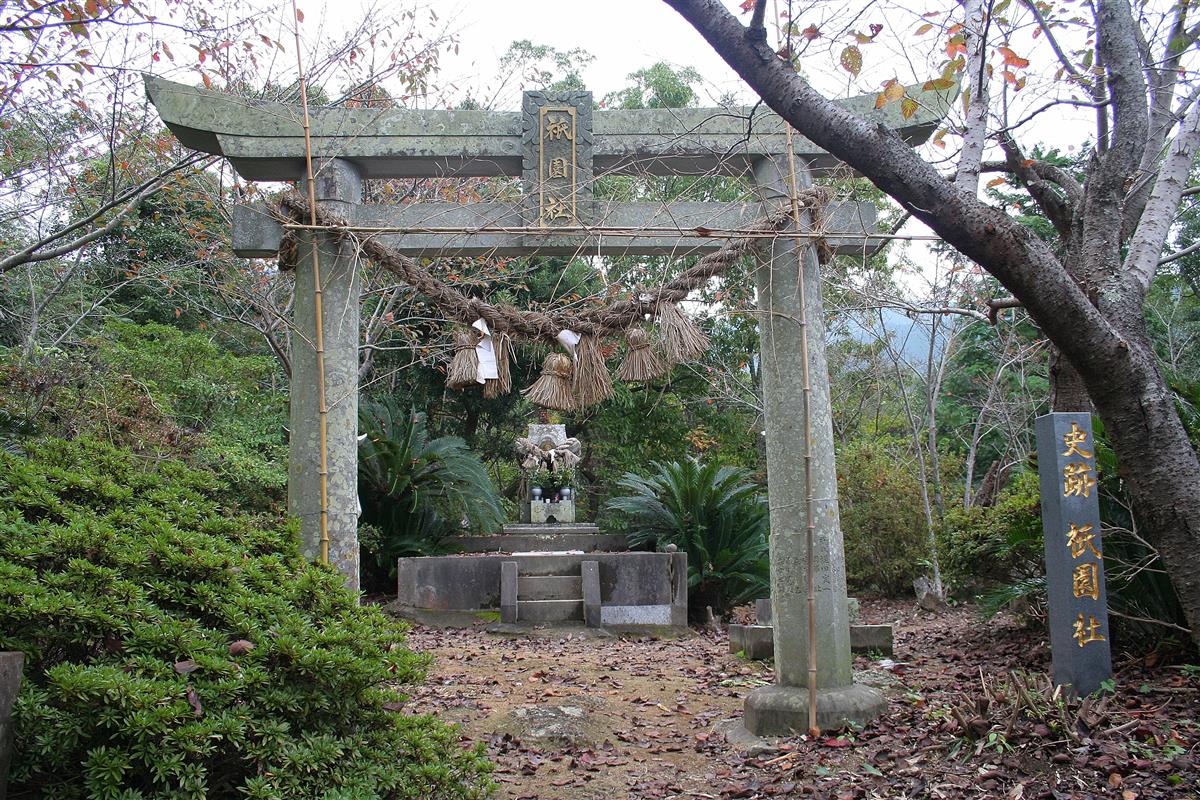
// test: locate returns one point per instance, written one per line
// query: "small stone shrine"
(548, 457)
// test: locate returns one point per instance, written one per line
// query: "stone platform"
(584, 537)
(627, 589)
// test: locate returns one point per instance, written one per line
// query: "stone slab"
(542, 611)
(639, 615)
(590, 583)
(541, 542)
(871, 639)
(10, 684)
(508, 591)
(549, 587)
(441, 229)
(265, 140)
(783, 710)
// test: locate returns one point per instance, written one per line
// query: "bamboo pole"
(810, 519)
(318, 304)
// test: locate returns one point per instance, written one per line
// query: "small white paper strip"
(568, 339)
(486, 351)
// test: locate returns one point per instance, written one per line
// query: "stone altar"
(547, 447)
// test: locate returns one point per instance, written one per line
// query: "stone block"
(762, 611)
(758, 642)
(783, 710)
(737, 638)
(10, 684)
(541, 513)
(871, 638)
(508, 591)
(256, 234)
(590, 574)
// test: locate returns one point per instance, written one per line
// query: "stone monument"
(10, 685)
(1077, 603)
(549, 457)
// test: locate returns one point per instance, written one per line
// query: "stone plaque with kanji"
(1078, 605)
(556, 132)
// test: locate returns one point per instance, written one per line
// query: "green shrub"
(883, 520)
(175, 649)
(234, 402)
(714, 514)
(1001, 543)
(416, 491)
(158, 391)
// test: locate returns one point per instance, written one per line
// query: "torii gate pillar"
(782, 709)
(339, 187)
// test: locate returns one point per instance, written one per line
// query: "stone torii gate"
(558, 144)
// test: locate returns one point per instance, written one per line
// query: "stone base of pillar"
(783, 710)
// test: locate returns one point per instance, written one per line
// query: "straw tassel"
(464, 367)
(641, 362)
(502, 343)
(553, 388)
(681, 339)
(592, 382)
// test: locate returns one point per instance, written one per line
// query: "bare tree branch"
(1145, 249)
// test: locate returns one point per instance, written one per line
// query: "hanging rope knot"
(814, 199)
(638, 339)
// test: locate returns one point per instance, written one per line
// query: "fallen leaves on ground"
(970, 715)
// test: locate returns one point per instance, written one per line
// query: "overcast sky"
(623, 35)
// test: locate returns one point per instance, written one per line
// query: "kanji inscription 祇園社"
(1074, 551)
(557, 138)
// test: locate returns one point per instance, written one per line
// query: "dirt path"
(571, 716)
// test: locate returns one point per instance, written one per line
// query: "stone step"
(552, 529)
(542, 539)
(549, 587)
(549, 610)
(548, 565)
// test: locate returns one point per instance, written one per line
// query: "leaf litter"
(971, 714)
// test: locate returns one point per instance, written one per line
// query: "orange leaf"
(1011, 59)
(995, 182)
(299, 15)
(893, 91)
(924, 29)
(811, 33)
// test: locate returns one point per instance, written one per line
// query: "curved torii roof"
(265, 140)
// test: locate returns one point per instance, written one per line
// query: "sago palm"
(418, 490)
(713, 513)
